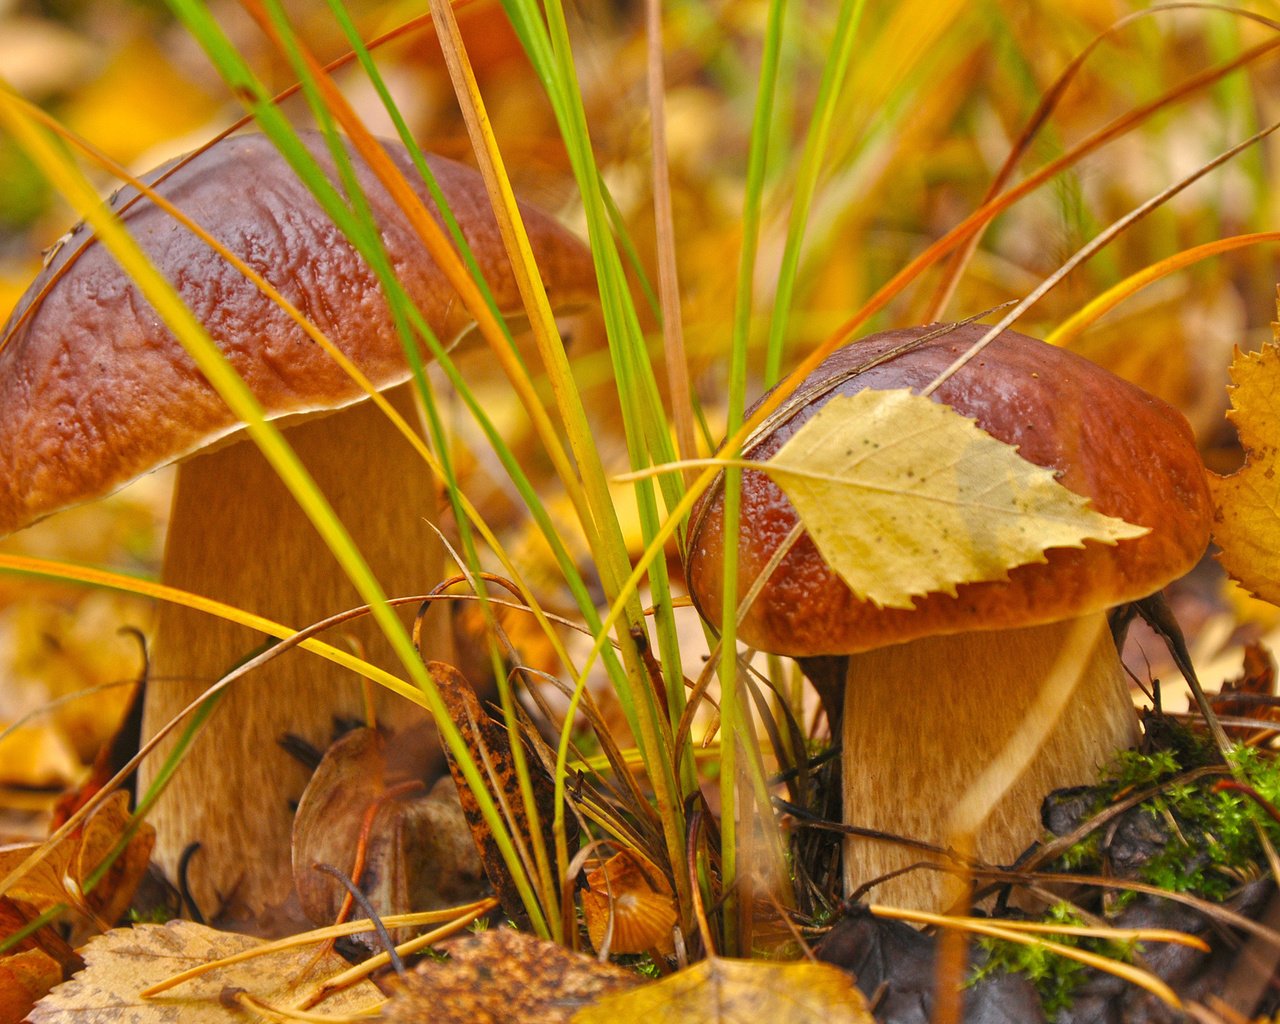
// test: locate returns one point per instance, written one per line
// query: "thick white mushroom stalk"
(956, 740)
(237, 535)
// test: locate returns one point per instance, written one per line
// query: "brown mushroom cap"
(95, 391)
(1131, 454)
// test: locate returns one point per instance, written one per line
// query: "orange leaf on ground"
(24, 978)
(63, 873)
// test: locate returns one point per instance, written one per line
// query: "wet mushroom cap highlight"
(95, 391)
(1130, 453)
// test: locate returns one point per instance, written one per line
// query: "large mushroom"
(95, 391)
(933, 693)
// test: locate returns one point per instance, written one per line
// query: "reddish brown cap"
(1131, 454)
(95, 391)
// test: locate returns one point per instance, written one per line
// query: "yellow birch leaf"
(903, 497)
(738, 991)
(1247, 503)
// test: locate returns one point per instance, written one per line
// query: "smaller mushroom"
(95, 391)
(934, 692)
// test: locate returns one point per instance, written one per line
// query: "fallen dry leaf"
(498, 976)
(1249, 694)
(937, 501)
(1247, 503)
(720, 991)
(15, 916)
(123, 962)
(419, 854)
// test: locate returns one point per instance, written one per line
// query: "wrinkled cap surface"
(1130, 453)
(95, 391)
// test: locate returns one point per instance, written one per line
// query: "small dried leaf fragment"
(502, 975)
(1247, 503)
(632, 892)
(721, 990)
(60, 877)
(418, 849)
(905, 497)
(124, 961)
(490, 746)
(24, 978)
(15, 916)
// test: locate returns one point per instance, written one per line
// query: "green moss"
(1055, 977)
(1206, 843)
(1212, 838)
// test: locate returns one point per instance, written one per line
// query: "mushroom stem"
(237, 535)
(911, 761)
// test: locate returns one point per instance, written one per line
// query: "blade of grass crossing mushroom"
(573, 578)
(548, 48)
(729, 703)
(834, 73)
(359, 231)
(310, 72)
(328, 106)
(490, 326)
(411, 313)
(1007, 766)
(58, 169)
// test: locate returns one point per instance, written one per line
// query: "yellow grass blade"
(1071, 328)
